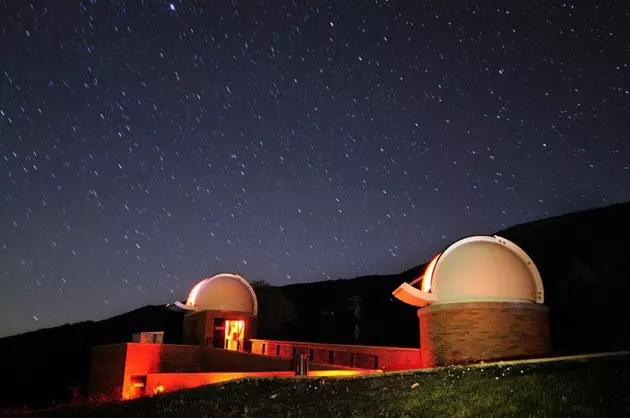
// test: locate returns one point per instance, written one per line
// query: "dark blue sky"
(147, 144)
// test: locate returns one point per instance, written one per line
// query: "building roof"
(222, 292)
(478, 268)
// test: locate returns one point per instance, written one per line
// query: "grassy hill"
(586, 388)
(582, 258)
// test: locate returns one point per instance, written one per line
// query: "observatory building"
(480, 299)
(221, 312)
(219, 344)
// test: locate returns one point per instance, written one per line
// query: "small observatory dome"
(477, 269)
(223, 292)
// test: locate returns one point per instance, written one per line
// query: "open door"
(234, 334)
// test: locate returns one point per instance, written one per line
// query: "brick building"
(219, 336)
(480, 299)
(221, 312)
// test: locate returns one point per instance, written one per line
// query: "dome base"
(467, 332)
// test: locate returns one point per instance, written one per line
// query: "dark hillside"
(46, 365)
(582, 258)
(585, 264)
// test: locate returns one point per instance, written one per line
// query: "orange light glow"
(428, 274)
(234, 334)
(342, 373)
(192, 297)
(158, 389)
(135, 391)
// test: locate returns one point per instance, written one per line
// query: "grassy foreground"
(594, 388)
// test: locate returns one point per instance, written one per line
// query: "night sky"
(147, 144)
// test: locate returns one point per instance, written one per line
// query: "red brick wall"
(107, 371)
(474, 331)
(384, 358)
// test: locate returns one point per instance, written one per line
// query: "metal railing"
(315, 355)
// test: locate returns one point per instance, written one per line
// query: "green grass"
(589, 388)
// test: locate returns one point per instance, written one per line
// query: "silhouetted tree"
(276, 312)
(259, 283)
(356, 301)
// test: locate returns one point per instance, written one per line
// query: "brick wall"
(474, 331)
(358, 356)
(107, 370)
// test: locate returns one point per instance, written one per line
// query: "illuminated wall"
(356, 356)
(116, 369)
(142, 359)
(169, 382)
(217, 360)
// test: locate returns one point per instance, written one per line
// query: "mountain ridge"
(580, 255)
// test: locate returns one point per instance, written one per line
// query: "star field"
(146, 144)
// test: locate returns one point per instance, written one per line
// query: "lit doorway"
(137, 387)
(234, 334)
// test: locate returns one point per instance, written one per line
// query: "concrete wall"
(358, 356)
(143, 359)
(113, 366)
(473, 331)
(177, 381)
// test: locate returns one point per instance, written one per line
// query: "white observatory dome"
(223, 292)
(477, 269)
